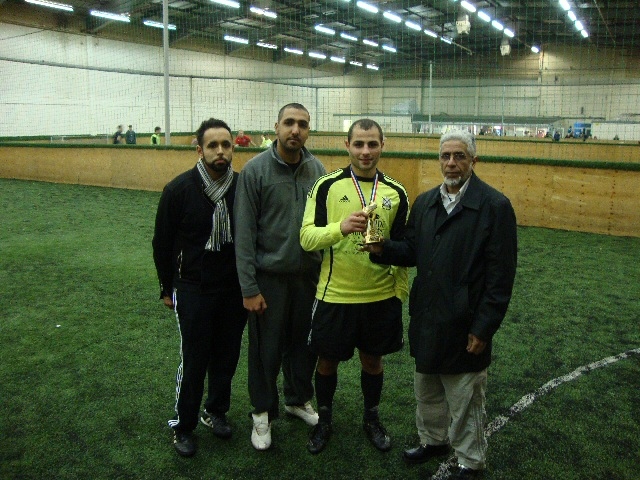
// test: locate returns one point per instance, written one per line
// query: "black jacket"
(183, 226)
(466, 265)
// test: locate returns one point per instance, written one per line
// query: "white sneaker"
(261, 433)
(305, 412)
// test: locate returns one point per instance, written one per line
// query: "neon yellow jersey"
(347, 275)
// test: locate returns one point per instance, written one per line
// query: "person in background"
(462, 237)
(556, 136)
(117, 137)
(193, 251)
(358, 303)
(130, 136)
(266, 141)
(243, 140)
(278, 279)
(155, 138)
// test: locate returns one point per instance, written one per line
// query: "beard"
(217, 166)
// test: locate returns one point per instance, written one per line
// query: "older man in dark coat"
(462, 238)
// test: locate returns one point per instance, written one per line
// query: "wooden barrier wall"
(571, 198)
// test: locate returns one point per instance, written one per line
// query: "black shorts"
(373, 328)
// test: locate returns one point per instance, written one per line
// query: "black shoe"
(217, 423)
(184, 444)
(423, 453)
(377, 435)
(319, 437)
(465, 473)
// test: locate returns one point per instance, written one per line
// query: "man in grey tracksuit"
(278, 279)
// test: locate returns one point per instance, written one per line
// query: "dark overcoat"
(466, 265)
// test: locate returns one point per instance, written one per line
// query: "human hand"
(356, 222)
(168, 301)
(375, 248)
(475, 345)
(255, 304)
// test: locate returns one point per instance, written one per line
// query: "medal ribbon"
(374, 190)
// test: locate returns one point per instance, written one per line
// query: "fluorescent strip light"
(266, 13)
(467, 6)
(497, 25)
(231, 38)
(45, 3)
(326, 30)
(153, 23)
(572, 16)
(110, 16)
(579, 25)
(367, 7)
(564, 4)
(584, 33)
(509, 33)
(321, 56)
(267, 45)
(293, 50)
(370, 43)
(354, 63)
(430, 33)
(349, 37)
(446, 40)
(337, 59)
(484, 16)
(392, 16)
(535, 49)
(389, 48)
(371, 66)
(227, 3)
(413, 25)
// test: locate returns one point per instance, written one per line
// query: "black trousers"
(211, 327)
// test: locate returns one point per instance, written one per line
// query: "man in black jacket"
(193, 250)
(462, 237)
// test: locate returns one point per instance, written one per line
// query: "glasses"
(457, 156)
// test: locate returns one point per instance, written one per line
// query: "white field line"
(444, 470)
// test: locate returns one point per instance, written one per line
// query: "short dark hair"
(297, 106)
(211, 123)
(364, 124)
(156, 129)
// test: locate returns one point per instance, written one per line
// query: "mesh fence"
(500, 67)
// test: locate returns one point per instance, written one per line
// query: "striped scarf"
(215, 190)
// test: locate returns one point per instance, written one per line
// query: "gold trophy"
(373, 234)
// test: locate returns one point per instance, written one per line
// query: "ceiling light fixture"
(371, 43)
(413, 25)
(346, 36)
(572, 16)
(467, 6)
(497, 25)
(110, 16)
(321, 56)
(153, 23)
(371, 66)
(430, 33)
(56, 5)
(446, 40)
(509, 33)
(368, 7)
(267, 45)
(535, 49)
(227, 3)
(231, 38)
(484, 16)
(326, 30)
(584, 33)
(295, 51)
(264, 12)
(392, 16)
(355, 63)
(337, 59)
(564, 4)
(389, 48)
(579, 25)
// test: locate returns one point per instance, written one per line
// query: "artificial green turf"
(89, 357)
